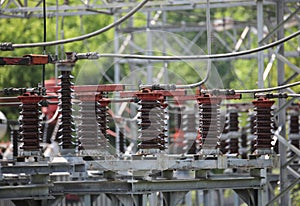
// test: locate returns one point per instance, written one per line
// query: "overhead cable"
(268, 89)
(198, 57)
(86, 36)
(252, 91)
(94, 55)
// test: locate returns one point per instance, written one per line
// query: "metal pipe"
(260, 55)
(284, 182)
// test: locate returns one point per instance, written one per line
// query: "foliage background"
(240, 73)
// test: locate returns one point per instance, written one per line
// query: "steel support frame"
(260, 27)
(284, 182)
(181, 5)
(280, 5)
(126, 191)
(21, 9)
(43, 187)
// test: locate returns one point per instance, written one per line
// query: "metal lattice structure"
(152, 179)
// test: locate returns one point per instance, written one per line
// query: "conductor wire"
(197, 57)
(86, 36)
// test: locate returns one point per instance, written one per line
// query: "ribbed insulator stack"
(122, 140)
(224, 136)
(15, 136)
(30, 126)
(243, 146)
(66, 119)
(251, 133)
(189, 122)
(101, 112)
(151, 121)
(176, 114)
(294, 135)
(264, 125)
(190, 127)
(233, 134)
(176, 132)
(164, 117)
(87, 123)
(209, 127)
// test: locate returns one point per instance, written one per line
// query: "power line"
(268, 89)
(94, 55)
(45, 39)
(197, 57)
(86, 36)
(253, 91)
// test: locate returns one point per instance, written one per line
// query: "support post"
(117, 80)
(14, 135)
(87, 200)
(282, 115)
(260, 55)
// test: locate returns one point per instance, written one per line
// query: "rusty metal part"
(66, 125)
(38, 59)
(93, 89)
(30, 127)
(152, 124)
(9, 99)
(264, 125)
(99, 88)
(30, 59)
(163, 93)
(209, 124)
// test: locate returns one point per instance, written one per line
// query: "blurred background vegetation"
(236, 73)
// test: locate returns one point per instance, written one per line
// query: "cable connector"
(88, 55)
(229, 92)
(163, 87)
(272, 95)
(216, 92)
(283, 95)
(6, 46)
(13, 91)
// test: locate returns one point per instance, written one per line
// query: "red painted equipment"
(152, 125)
(66, 125)
(209, 124)
(264, 125)
(30, 127)
(233, 128)
(92, 121)
(30, 59)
